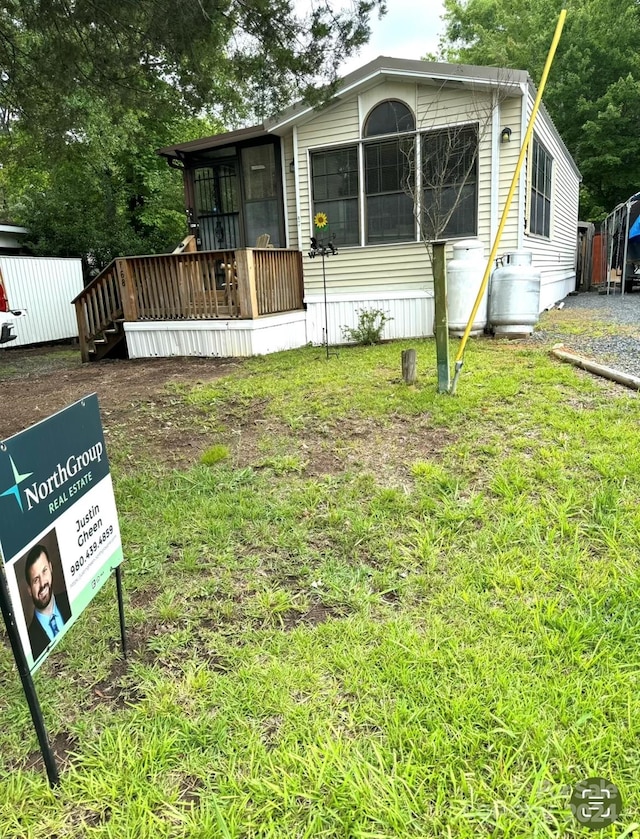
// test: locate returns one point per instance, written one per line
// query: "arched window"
(389, 174)
(390, 117)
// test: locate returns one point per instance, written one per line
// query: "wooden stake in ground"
(441, 317)
(409, 373)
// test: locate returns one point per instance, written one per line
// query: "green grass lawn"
(370, 611)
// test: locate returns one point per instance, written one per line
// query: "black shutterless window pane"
(388, 186)
(391, 117)
(540, 199)
(390, 218)
(450, 182)
(334, 176)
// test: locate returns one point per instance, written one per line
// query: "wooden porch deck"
(186, 285)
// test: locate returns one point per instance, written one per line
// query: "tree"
(89, 89)
(588, 89)
(102, 193)
(446, 203)
(229, 57)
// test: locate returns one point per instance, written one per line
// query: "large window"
(335, 191)
(450, 182)
(405, 175)
(540, 203)
(388, 166)
(261, 199)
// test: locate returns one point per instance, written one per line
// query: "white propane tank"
(514, 299)
(464, 278)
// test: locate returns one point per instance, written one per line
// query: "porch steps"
(100, 316)
(104, 344)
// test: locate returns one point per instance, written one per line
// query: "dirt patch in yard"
(145, 419)
(138, 410)
(387, 449)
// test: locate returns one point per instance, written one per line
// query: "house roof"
(382, 68)
(368, 75)
(401, 69)
(215, 141)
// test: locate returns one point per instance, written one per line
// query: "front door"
(217, 194)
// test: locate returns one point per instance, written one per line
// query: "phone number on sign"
(92, 549)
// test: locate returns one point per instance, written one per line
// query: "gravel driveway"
(619, 349)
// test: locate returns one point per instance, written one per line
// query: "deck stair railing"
(100, 315)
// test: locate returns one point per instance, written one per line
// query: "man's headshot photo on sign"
(43, 593)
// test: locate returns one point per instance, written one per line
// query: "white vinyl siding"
(383, 267)
(510, 117)
(376, 269)
(556, 256)
(289, 189)
(406, 266)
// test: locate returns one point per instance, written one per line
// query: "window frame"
(471, 179)
(372, 197)
(541, 228)
(388, 147)
(366, 133)
(320, 205)
(418, 202)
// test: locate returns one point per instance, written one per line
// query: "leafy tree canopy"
(90, 88)
(592, 92)
(191, 54)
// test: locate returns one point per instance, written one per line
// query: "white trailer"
(38, 291)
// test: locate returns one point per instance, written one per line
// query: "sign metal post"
(59, 539)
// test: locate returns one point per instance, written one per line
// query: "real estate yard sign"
(59, 534)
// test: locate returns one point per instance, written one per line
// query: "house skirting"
(220, 338)
(555, 287)
(410, 314)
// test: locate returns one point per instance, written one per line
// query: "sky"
(410, 29)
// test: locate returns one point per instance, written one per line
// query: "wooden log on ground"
(598, 369)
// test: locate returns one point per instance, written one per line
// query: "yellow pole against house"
(512, 189)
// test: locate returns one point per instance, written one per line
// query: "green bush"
(371, 322)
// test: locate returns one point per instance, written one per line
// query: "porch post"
(247, 295)
(82, 330)
(127, 290)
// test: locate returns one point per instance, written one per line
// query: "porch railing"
(274, 292)
(98, 308)
(190, 284)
